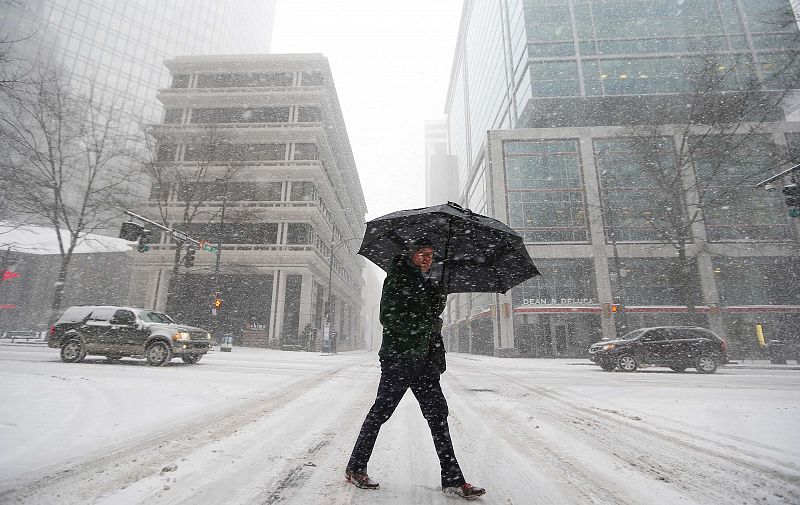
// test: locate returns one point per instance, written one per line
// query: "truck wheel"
(191, 358)
(72, 351)
(158, 354)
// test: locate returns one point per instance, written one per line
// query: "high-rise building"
(441, 184)
(569, 91)
(121, 44)
(253, 157)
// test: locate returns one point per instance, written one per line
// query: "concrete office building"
(559, 86)
(265, 158)
(121, 44)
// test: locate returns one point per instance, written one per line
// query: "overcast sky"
(391, 66)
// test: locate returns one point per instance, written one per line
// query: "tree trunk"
(58, 294)
(686, 277)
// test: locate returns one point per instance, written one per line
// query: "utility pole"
(215, 315)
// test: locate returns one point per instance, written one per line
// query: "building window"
(298, 234)
(758, 281)
(241, 115)
(641, 189)
(554, 78)
(255, 191)
(303, 192)
(180, 80)
(306, 151)
(654, 281)
(733, 209)
(173, 116)
(545, 190)
(245, 80)
(166, 152)
(308, 114)
(234, 232)
(235, 152)
(313, 79)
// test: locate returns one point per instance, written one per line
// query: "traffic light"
(188, 259)
(144, 241)
(792, 192)
(616, 308)
(217, 303)
(130, 231)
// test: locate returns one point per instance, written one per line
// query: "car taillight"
(725, 345)
(52, 330)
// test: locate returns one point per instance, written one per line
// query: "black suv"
(676, 347)
(116, 332)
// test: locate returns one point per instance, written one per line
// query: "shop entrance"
(555, 335)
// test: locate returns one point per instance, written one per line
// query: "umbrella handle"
(446, 251)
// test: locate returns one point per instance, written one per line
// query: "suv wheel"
(607, 366)
(191, 358)
(72, 351)
(158, 354)
(679, 368)
(706, 364)
(627, 363)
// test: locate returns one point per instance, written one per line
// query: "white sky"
(391, 66)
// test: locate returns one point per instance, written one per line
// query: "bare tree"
(67, 159)
(702, 153)
(182, 192)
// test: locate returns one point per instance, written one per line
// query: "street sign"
(204, 245)
(180, 236)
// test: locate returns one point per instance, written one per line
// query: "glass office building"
(122, 44)
(563, 88)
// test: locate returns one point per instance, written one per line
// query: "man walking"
(410, 307)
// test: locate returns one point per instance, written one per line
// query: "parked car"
(116, 332)
(676, 347)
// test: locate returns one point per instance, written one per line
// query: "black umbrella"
(477, 254)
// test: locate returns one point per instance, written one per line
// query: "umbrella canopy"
(475, 253)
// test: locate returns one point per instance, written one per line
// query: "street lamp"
(224, 182)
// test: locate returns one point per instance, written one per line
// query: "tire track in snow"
(87, 480)
(726, 476)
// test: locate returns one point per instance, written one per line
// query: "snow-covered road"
(266, 427)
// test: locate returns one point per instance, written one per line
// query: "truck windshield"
(156, 317)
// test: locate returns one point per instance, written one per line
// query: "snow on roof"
(31, 239)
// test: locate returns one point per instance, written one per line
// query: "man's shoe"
(361, 480)
(465, 490)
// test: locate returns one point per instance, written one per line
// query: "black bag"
(436, 352)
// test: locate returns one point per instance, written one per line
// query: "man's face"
(423, 259)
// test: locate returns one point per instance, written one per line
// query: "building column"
(306, 297)
(594, 208)
(276, 311)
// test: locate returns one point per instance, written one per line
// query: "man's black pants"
(398, 375)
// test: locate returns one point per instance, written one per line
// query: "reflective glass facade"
(652, 217)
(122, 44)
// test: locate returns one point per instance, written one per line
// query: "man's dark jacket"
(410, 307)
